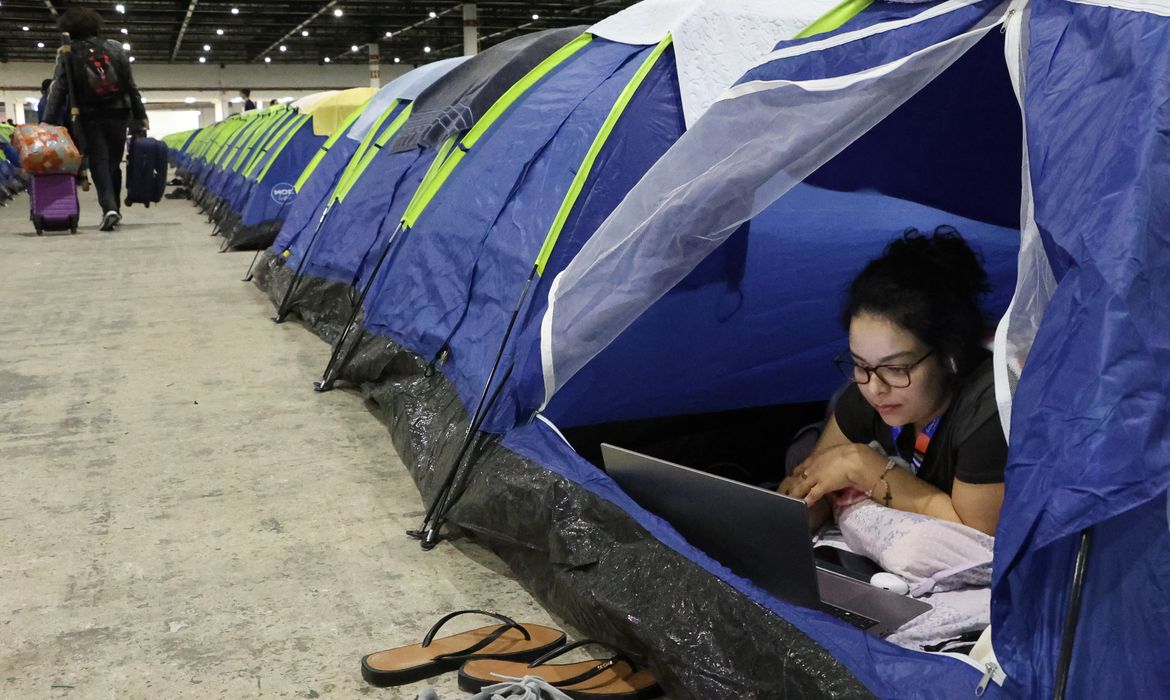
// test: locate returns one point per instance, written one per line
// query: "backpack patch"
(99, 79)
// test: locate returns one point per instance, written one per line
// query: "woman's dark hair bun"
(929, 285)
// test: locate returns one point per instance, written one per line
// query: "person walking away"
(246, 94)
(107, 100)
(45, 85)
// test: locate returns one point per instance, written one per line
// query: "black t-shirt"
(968, 444)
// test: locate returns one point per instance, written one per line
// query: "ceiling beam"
(324, 8)
(183, 29)
(52, 8)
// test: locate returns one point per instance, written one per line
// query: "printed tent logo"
(283, 192)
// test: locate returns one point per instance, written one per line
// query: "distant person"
(247, 97)
(106, 98)
(45, 85)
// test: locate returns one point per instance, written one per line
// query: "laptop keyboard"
(861, 622)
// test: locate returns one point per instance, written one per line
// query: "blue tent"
(708, 286)
(226, 184)
(253, 184)
(1082, 352)
(338, 241)
(11, 175)
(523, 189)
(353, 163)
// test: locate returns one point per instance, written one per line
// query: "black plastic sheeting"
(324, 306)
(229, 223)
(239, 237)
(585, 559)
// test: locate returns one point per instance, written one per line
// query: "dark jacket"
(130, 100)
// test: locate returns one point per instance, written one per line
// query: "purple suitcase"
(54, 202)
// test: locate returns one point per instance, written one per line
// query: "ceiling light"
(304, 32)
(389, 34)
(126, 46)
(327, 59)
(24, 29)
(337, 12)
(125, 30)
(354, 48)
(120, 8)
(426, 49)
(535, 17)
(432, 15)
(235, 10)
(189, 100)
(202, 59)
(283, 48)
(219, 32)
(396, 59)
(207, 47)
(40, 44)
(268, 59)
(132, 59)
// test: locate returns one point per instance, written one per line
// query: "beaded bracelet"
(890, 464)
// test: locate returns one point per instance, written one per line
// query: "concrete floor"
(180, 514)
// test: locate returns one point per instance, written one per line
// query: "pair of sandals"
(488, 655)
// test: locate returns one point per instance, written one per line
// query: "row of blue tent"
(584, 248)
(12, 179)
(241, 171)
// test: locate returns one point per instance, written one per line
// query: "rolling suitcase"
(146, 171)
(53, 202)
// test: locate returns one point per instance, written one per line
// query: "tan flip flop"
(414, 662)
(615, 678)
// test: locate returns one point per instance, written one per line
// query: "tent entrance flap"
(793, 131)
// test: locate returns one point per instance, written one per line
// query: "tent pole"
(248, 274)
(429, 532)
(445, 498)
(1072, 616)
(282, 308)
(332, 367)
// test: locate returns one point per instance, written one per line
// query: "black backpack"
(94, 70)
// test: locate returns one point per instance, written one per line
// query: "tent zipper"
(989, 672)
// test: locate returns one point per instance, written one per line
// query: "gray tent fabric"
(455, 103)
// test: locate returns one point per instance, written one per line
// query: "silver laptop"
(758, 534)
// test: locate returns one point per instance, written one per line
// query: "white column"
(21, 104)
(218, 105)
(375, 58)
(14, 105)
(470, 29)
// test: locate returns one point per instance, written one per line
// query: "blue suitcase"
(146, 171)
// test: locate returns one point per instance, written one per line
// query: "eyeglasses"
(894, 376)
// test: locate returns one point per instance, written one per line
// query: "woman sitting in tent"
(913, 456)
(922, 390)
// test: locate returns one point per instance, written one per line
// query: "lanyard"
(921, 442)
